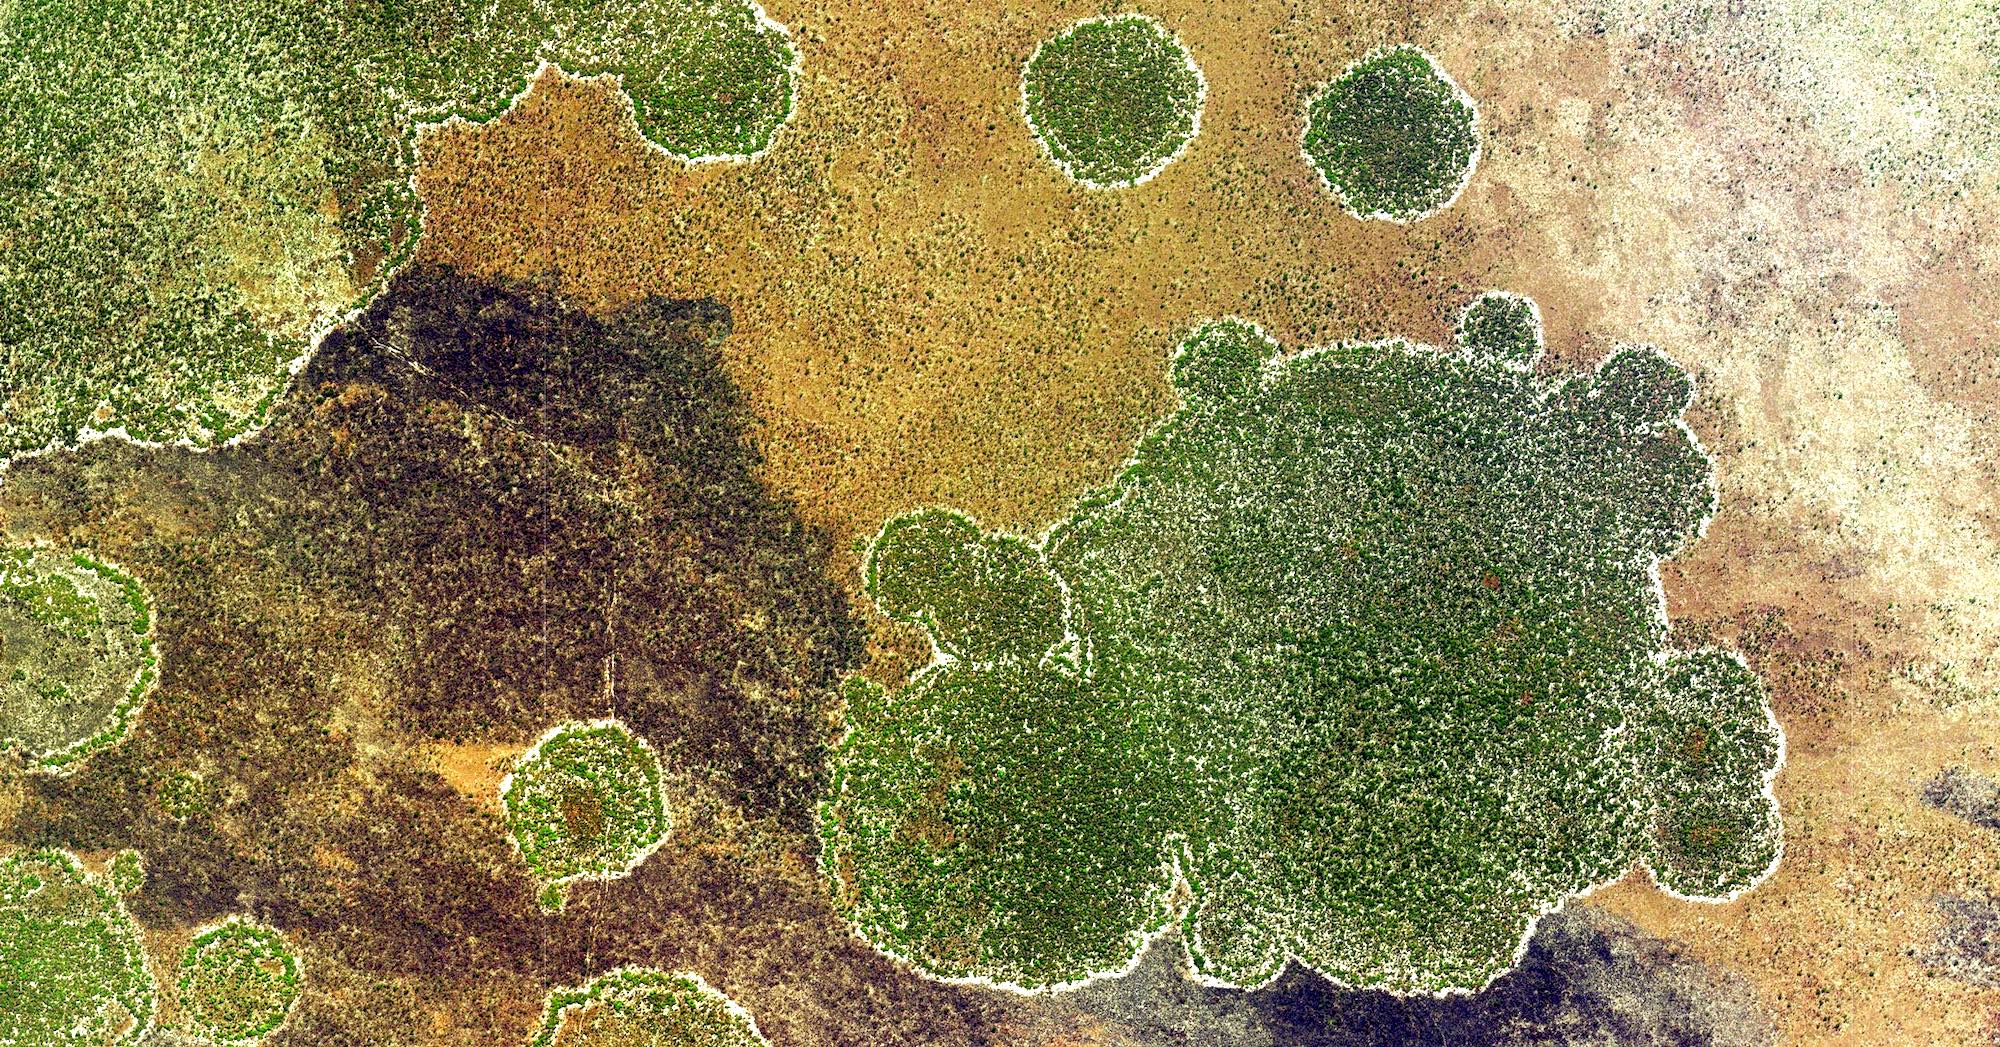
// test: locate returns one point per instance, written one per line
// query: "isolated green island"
(72, 973)
(1393, 136)
(76, 654)
(237, 982)
(1364, 643)
(191, 190)
(642, 1007)
(1113, 100)
(585, 803)
(1506, 327)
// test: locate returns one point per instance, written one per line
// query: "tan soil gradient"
(926, 312)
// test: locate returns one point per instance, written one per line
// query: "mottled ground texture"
(1795, 199)
(524, 487)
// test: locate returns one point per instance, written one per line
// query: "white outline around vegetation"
(1471, 164)
(1174, 899)
(1068, 169)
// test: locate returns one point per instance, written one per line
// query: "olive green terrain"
(191, 191)
(73, 971)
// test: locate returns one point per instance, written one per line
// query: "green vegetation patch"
(1113, 100)
(641, 1007)
(585, 803)
(191, 190)
(76, 654)
(1504, 326)
(238, 981)
(126, 872)
(1394, 136)
(1364, 644)
(71, 969)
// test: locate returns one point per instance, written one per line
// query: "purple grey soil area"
(1587, 978)
(478, 512)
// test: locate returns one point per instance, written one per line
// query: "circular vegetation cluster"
(71, 968)
(1113, 100)
(1503, 326)
(76, 654)
(1393, 136)
(585, 803)
(1364, 644)
(635, 1006)
(190, 191)
(238, 981)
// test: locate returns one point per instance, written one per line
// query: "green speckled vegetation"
(182, 795)
(71, 970)
(1503, 326)
(639, 1007)
(76, 654)
(1364, 643)
(1393, 136)
(127, 871)
(1113, 100)
(585, 803)
(237, 982)
(190, 190)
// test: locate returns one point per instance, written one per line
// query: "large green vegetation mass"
(640, 1007)
(1364, 643)
(76, 654)
(190, 190)
(1393, 136)
(1113, 100)
(585, 802)
(71, 970)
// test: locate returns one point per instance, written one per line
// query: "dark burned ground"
(480, 512)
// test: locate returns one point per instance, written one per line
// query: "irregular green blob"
(585, 803)
(1364, 643)
(238, 981)
(76, 654)
(640, 1007)
(1113, 100)
(1393, 135)
(1503, 326)
(1709, 744)
(190, 190)
(71, 968)
(981, 596)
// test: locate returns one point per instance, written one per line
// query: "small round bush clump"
(192, 192)
(585, 803)
(1113, 100)
(238, 981)
(637, 1005)
(1502, 326)
(1394, 137)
